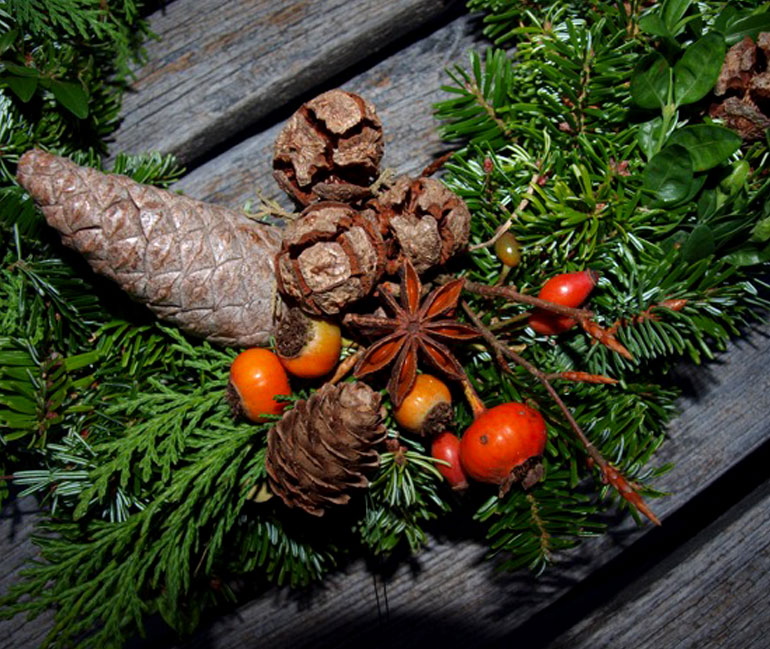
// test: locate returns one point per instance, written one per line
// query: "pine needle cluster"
(119, 423)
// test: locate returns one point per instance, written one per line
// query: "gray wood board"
(219, 67)
(403, 87)
(447, 593)
(711, 593)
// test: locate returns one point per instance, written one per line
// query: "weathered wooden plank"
(403, 88)
(711, 593)
(220, 67)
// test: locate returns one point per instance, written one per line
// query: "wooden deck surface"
(221, 81)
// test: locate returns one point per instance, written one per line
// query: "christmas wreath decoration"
(605, 216)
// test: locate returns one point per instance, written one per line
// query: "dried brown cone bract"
(744, 82)
(204, 268)
(423, 221)
(322, 449)
(330, 149)
(332, 255)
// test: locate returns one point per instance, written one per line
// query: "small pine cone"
(202, 267)
(331, 256)
(323, 447)
(422, 220)
(330, 149)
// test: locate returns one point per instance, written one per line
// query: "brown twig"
(583, 316)
(510, 293)
(346, 366)
(509, 221)
(581, 377)
(610, 473)
(439, 162)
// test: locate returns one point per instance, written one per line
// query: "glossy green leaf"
(669, 175)
(71, 96)
(699, 245)
(653, 25)
(741, 26)
(707, 144)
(22, 87)
(7, 39)
(761, 231)
(650, 81)
(696, 72)
(749, 256)
(20, 70)
(672, 13)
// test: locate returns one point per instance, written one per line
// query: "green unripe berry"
(508, 250)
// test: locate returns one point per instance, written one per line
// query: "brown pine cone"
(423, 220)
(204, 268)
(331, 256)
(330, 149)
(322, 448)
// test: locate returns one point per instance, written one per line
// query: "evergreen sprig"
(119, 424)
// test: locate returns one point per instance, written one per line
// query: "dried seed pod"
(322, 449)
(331, 256)
(744, 84)
(330, 149)
(422, 220)
(204, 268)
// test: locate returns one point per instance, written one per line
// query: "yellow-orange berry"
(308, 347)
(256, 379)
(427, 408)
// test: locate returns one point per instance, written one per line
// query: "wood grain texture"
(711, 593)
(403, 87)
(222, 66)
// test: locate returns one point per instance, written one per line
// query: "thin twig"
(510, 293)
(439, 162)
(346, 366)
(610, 473)
(509, 221)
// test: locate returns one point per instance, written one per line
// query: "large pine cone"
(422, 220)
(323, 447)
(204, 268)
(330, 149)
(331, 256)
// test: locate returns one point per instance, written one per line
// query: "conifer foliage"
(589, 141)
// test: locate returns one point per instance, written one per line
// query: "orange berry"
(427, 408)
(256, 378)
(308, 347)
(446, 446)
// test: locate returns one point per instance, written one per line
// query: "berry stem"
(626, 489)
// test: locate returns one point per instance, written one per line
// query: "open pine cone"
(331, 256)
(421, 220)
(322, 448)
(330, 149)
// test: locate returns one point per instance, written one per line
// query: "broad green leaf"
(761, 231)
(741, 26)
(673, 11)
(650, 81)
(22, 87)
(20, 70)
(653, 25)
(71, 96)
(696, 73)
(7, 39)
(749, 256)
(699, 245)
(736, 180)
(708, 145)
(669, 175)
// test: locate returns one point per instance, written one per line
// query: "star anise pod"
(425, 326)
